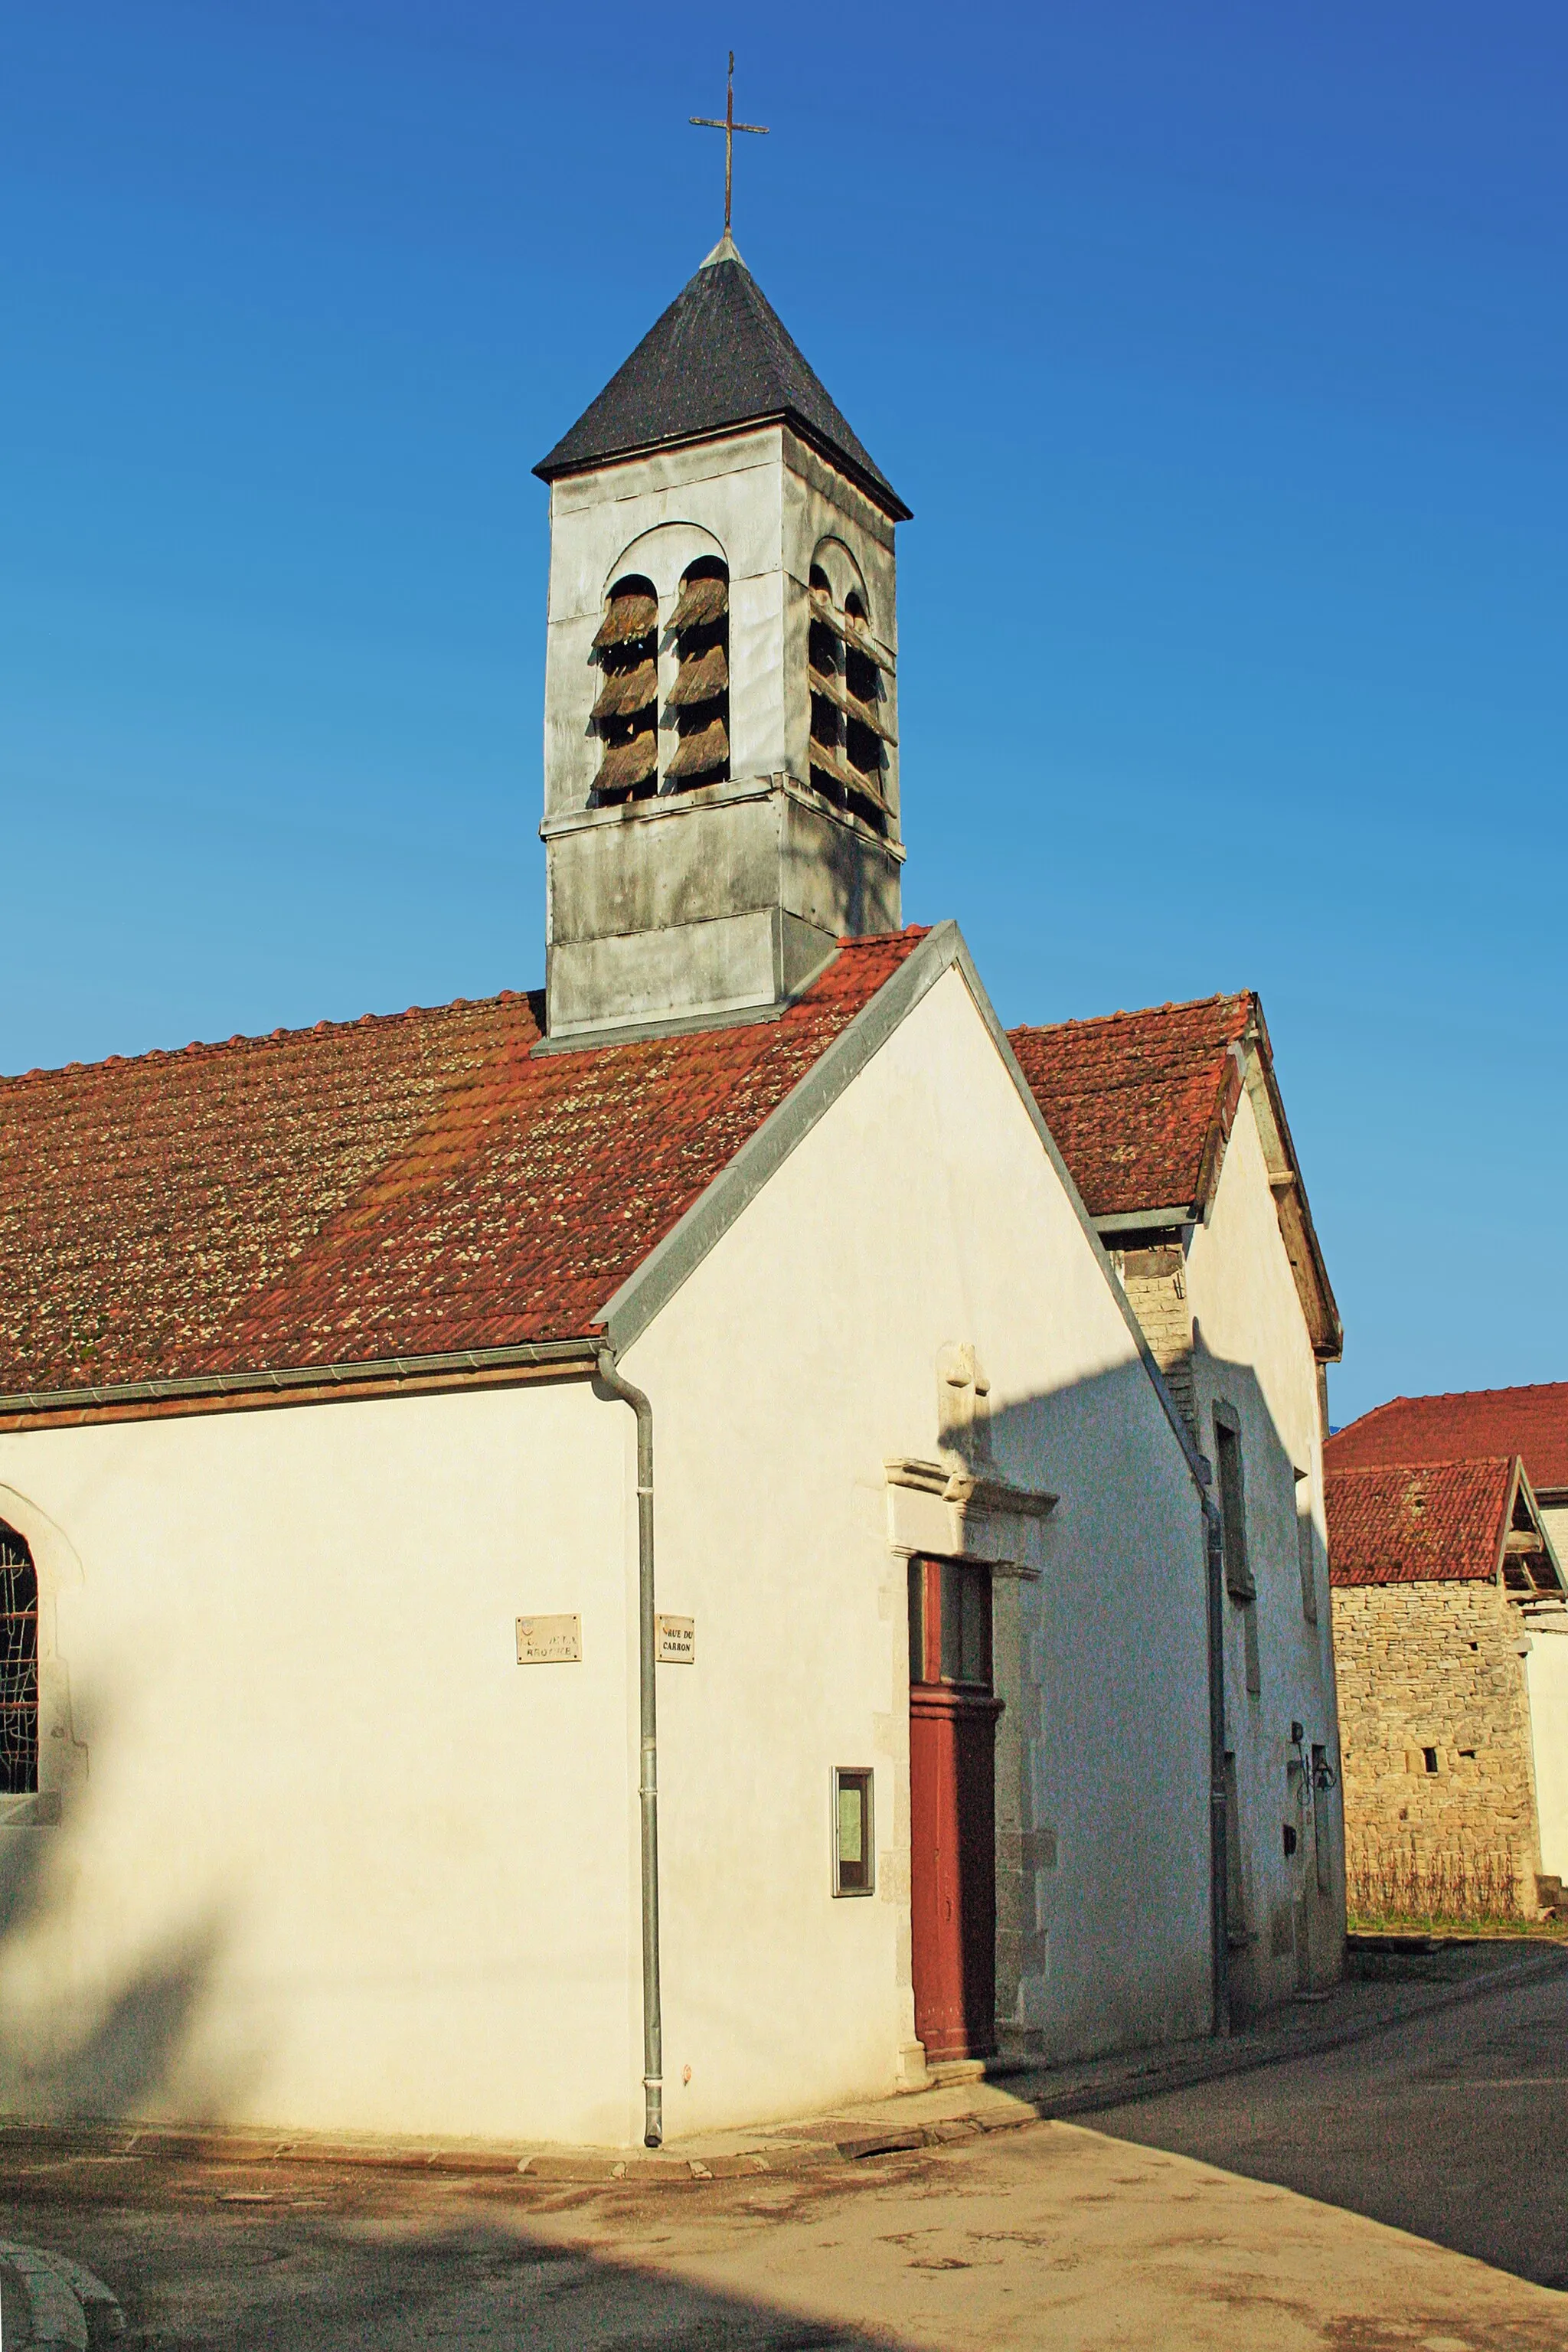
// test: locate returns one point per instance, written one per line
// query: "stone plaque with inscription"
(549, 1641)
(676, 1641)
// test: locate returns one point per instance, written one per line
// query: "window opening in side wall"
(1233, 1540)
(625, 712)
(18, 1666)
(699, 698)
(1305, 1554)
(1232, 1512)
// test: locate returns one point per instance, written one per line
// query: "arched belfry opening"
(699, 696)
(625, 710)
(721, 753)
(18, 1666)
(850, 725)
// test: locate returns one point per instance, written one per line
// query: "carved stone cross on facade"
(729, 126)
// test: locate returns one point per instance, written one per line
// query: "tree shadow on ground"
(382, 2272)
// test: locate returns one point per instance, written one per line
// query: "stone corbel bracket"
(947, 1514)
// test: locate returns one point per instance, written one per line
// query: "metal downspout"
(648, 1769)
(1219, 1841)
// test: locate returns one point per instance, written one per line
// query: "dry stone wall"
(1439, 1781)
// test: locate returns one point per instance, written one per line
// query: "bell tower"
(720, 707)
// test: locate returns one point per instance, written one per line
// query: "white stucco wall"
(922, 1211)
(1252, 1350)
(1546, 1677)
(359, 1867)
(1555, 1519)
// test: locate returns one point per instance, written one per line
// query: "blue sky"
(1221, 352)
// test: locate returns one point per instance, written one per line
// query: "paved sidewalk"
(1414, 1982)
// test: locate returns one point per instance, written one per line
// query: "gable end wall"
(797, 1357)
(1434, 1665)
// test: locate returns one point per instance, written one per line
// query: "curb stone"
(67, 2305)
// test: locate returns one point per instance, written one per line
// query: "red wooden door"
(953, 1845)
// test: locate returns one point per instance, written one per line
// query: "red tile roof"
(1132, 1099)
(386, 1187)
(1530, 1422)
(1402, 1523)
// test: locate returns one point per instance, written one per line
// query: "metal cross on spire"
(729, 126)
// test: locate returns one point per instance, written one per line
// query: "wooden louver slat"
(700, 601)
(849, 631)
(833, 690)
(627, 618)
(700, 680)
(832, 765)
(626, 765)
(627, 691)
(695, 754)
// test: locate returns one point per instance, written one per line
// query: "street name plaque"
(549, 1641)
(676, 1641)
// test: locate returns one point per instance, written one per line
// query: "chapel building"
(621, 1560)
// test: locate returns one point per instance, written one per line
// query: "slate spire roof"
(720, 358)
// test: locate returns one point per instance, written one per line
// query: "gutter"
(569, 1355)
(1219, 1795)
(611, 1381)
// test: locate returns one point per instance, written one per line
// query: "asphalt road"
(1454, 2127)
(1232, 2218)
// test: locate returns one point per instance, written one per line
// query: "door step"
(948, 2071)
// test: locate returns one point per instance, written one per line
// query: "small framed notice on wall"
(854, 1851)
(549, 1641)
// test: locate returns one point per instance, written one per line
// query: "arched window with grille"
(699, 696)
(18, 1666)
(626, 713)
(849, 727)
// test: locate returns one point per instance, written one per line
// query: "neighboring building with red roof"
(1173, 1124)
(1530, 1422)
(1451, 1633)
(514, 1518)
